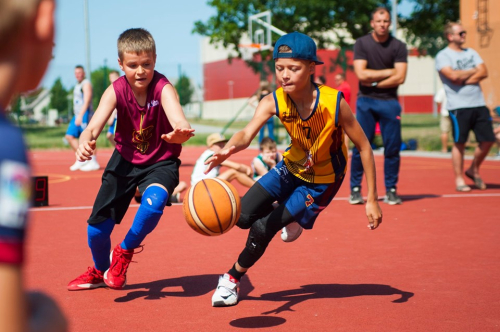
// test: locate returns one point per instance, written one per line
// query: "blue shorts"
(111, 129)
(302, 199)
(76, 131)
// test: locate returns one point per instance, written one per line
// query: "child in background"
(267, 158)
(239, 172)
(110, 135)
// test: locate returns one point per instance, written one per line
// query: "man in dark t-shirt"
(380, 63)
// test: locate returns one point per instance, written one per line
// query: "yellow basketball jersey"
(317, 153)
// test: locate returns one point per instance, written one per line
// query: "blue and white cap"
(302, 46)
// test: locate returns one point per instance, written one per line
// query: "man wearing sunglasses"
(461, 69)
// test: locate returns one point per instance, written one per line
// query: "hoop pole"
(268, 25)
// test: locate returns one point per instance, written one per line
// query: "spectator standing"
(344, 87)
(264, 90)
(110, 135)
(444, 119)
(82, 107)
(461, 69)
(380, 63)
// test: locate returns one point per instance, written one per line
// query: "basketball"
(211, 207)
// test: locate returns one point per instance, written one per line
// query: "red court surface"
(433, 265)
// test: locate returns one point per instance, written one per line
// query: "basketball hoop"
(248, 50)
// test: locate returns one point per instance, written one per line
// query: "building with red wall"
(228, 84)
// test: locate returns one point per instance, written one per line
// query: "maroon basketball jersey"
(139, 128)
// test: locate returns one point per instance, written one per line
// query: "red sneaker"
(116, 276)
(93, 278)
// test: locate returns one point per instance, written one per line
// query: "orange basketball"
(211, 207)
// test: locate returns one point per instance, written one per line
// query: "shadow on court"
(488, 186)
(407, 198)
(328, 291)
(257, 322)
(189, 286)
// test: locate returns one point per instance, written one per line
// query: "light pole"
(230, 83)
(394, 17)
(87, 36)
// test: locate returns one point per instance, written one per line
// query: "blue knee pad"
(149, 213)
(99, 242)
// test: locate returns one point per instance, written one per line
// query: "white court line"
(44, 209)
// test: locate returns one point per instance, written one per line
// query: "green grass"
(41, 137)
(422, 127)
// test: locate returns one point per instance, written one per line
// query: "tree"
(424, 27)
(184, 89)
(58, 96)
(100, 82)
(315, 17)
(15, 109)
(312, 17)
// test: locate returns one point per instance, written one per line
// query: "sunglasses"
(462, 33)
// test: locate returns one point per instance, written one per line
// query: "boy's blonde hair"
(13, 14)
(136, 41)
(267, 142)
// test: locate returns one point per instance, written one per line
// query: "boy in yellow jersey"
(313, 166)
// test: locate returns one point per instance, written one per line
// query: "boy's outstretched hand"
(218, 158)
(374, 215)
(85, 150)
(178, 135)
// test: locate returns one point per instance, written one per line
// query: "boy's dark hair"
(381, 9)
(267, 142)
(79, 67)
(137, 40)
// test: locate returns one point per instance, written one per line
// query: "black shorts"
(120, 180)
(477, 119)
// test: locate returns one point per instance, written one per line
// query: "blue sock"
(149, 213)
(99, 242)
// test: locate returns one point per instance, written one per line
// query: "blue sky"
(169, 21)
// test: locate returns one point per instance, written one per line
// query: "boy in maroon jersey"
(148, 138)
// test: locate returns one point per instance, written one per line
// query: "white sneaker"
(226, 293)
(77, 165)
(291, 232)
(92, 165)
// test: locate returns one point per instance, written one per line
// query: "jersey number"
(308, 132)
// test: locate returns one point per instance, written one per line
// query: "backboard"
(260, 30)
